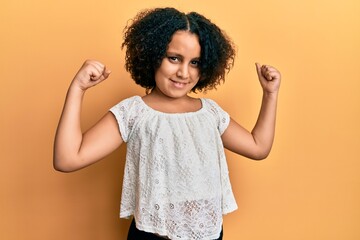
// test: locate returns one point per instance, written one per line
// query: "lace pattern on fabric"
(176, 181)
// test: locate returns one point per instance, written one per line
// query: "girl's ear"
(149, 90)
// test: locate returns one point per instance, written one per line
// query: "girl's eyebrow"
(179, 55)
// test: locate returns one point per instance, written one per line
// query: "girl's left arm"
(257, 143)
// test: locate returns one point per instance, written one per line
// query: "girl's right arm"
(74, 149)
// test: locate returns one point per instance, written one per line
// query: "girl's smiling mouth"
(178, 84)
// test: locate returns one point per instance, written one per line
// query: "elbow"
(63, 165)
(62, 169)
(260, 155)
(259, 158)
(261, 152)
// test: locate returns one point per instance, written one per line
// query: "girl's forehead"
(185, 41)
(185, 34)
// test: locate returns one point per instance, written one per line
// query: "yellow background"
(308, 188)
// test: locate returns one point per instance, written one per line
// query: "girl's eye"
(195, 63)
(173, 59)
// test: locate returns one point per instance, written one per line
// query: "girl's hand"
(91, 73)
(269, 78)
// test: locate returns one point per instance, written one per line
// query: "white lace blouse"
(176, 180)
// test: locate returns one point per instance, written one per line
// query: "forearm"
(264, 129)
(69, 134)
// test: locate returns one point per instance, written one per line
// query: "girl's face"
(179, 70)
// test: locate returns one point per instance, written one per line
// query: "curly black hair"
(147, 37)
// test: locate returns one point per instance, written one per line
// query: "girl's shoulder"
(221, 117)
(209, 101)
(211, 105)
(127, 112)
(128, 103)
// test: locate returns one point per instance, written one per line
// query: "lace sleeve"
(222, 117)
(124, 114)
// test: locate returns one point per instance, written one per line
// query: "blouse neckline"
(172, 114)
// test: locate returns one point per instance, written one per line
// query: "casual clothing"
(176, 181)
(136, 234)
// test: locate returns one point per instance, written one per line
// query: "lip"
(178, 84)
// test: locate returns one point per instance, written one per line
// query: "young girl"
(176, 181)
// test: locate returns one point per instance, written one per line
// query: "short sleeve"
(125, 116)
(221, 116)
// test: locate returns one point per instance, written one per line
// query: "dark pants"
(136, 234)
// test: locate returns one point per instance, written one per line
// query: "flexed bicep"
(100, 140)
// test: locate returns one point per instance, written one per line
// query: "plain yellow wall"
(308, 188)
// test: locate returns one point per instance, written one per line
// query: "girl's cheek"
(195, 73)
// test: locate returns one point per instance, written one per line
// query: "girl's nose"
(183, 71)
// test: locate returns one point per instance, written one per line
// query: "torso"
(176, 175)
